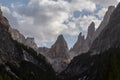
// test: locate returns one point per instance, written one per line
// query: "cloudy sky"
(46, 19)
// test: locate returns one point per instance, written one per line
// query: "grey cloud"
(43, 19)
(106, 3)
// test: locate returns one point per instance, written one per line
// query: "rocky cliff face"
(60, 48)
(91, 35)
(5, 41)
(16, 35)
(102, 66)
(43, 50)
(109, 37)
(82, 45)
(78, 47)
(29, 41)
(104, 22)
(58, 54)
(19, 62)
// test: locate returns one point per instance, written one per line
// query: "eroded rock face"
(58, 54)
(94, 66)
(91, 35)
(82, 45)
(16, 35)
(29, 41)
(6, 45)
(4, 20)
(109, 36)
(43, 50)
(60, 48)
(104, 22)
(79, 44)
(78, 47)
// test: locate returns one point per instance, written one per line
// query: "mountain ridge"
(102, 66)
(20, 62)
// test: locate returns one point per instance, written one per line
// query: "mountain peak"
(91, 29)
(78, 47)
(111, 7)
(80, 36)
(92, 23)
(104, 21)
(60, 37)
(109, 37)
(60, 46)
(59, 53)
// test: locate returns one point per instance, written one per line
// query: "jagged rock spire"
(78, 45)
(105, 21)
(60, 47)
(90, 35)
(58, 54)
(91, 30)
(109, 37)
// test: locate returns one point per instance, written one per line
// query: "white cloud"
(71, 29)
(43, 19)
(105, 3)
(86, 20)
(82, 4)
(102, 12)
(118, 0)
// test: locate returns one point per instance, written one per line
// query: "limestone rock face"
(97, 63)
(60, 48)
(58, 54)
(3, 20)
(31, 43)
(78, 47)
(79, 44)
(16, 35)
(43, 50)
(82, 45)
(109, 36)
(8, 50)
(90, 35)
(105, 21)
(6, 45)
